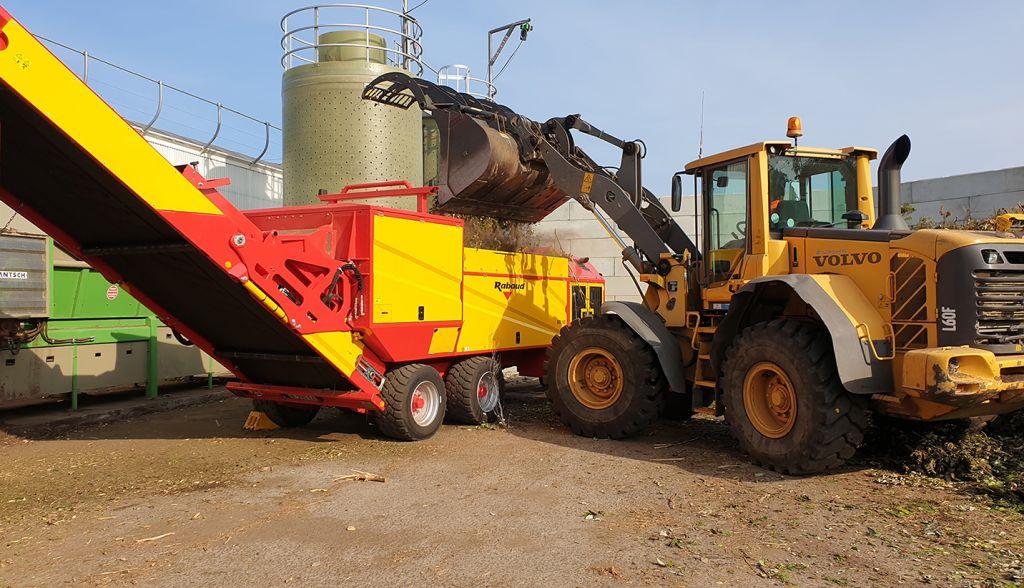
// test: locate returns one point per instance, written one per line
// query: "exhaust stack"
(889, 217)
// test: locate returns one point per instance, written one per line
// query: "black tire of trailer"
(641, 400)
(830, 422)
(397, 420)
(286, 415)
(462, 385)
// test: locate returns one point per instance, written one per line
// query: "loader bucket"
(482, 170)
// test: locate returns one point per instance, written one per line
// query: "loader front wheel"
(414, 403)
(784, 401)
(286, 415)
(603, 380)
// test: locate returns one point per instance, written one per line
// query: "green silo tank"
(333, 138)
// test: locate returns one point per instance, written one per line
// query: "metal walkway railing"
(459, 77)
(264, 130)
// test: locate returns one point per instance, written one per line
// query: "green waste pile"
(985, 458)
(504, 235)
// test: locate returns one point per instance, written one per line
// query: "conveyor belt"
(74, 167)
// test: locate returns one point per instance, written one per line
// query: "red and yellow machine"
(342, 304)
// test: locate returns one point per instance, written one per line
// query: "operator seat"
(792, 210)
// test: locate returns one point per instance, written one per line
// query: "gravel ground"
(187, 498)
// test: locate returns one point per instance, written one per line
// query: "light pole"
(524, 27)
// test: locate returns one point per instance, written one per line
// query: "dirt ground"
(187, 498)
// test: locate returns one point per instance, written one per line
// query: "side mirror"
(677, 191)
(722, 181)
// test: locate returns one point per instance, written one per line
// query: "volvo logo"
(847, 258)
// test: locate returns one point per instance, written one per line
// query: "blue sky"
(858, 73)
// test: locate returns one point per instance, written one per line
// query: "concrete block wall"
(573, 229)
(974, 195)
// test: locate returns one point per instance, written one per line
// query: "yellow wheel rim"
(595, 378)
(769, 400)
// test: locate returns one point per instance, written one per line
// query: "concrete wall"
(252, 186)
(573, 229)
(979, 195)
(976, 195)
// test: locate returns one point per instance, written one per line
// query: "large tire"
(412, 413)
(627, 387)
(474, 387)
(286, 415)
(784, 401)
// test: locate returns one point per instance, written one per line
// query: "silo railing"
(460, 78)
(304, 28)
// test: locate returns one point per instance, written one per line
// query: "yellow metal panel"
(444, 340)
(757, 223)
(337, 347)
(416, 263)
(512, 300)
(865, 196)
(866, 263)
(734, 154)
(34, 73)
(849, 296)
(487, 261)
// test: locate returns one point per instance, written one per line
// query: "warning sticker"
(113, 291)
(9, 275)
(588, 183)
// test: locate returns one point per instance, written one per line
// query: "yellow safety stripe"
(339, 348)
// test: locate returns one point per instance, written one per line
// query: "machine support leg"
(209, 373)
(74, 377)
(152, 371)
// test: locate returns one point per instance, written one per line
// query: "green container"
(102, 340)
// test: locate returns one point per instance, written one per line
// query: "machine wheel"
(414, 403)
(784, 401)
(474, 387)
(603, 380)
(286, 415)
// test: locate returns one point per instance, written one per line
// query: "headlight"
(991, 256)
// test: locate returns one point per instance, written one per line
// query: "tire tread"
(839, 418)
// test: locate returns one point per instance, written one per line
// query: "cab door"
(726, 194)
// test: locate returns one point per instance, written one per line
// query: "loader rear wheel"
(414, 403)
(286, 415)
(784, 401)
(474, 389)
(603, 380)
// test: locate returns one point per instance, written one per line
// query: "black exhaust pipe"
(889, 209)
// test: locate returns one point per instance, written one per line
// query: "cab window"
(809, 191)
(726, 221)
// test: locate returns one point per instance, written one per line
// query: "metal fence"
(149, 102)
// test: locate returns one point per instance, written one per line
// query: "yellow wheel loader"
(801, 311)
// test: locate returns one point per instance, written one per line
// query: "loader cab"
(749, 196)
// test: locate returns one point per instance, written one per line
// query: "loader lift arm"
(499, 164)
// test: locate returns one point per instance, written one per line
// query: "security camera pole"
(524, 27)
